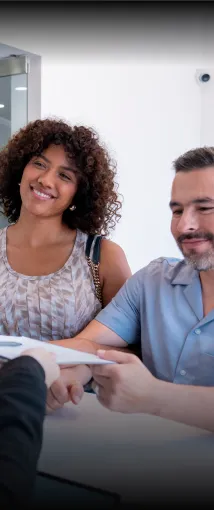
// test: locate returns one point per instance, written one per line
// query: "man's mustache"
(206, 236)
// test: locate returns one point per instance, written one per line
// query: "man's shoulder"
(166, 264)
(161, 268)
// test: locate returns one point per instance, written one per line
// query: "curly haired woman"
(58, 192)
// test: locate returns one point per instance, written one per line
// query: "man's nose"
(188, 222)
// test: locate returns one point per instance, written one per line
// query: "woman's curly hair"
(97, 201)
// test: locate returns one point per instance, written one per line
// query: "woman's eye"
(176, 213)
(39, 164)
(66, 177)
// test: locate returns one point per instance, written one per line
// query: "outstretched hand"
(125, 386)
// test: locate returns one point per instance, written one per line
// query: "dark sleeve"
(22, 410)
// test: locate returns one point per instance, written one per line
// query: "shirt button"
(183, 372)
(197, 331)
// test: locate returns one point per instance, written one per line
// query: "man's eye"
(176, 213)
(206, 208)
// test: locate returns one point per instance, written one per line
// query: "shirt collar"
(183, 274)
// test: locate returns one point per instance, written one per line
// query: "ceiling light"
(21, 88)
(1, 105)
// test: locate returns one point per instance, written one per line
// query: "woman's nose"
(47, 179)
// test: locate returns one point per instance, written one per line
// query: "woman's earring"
(19, 183)
(72, 208)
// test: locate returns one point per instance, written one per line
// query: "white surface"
(122, 453)
(64, 356)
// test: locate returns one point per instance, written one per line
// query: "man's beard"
(199, 262)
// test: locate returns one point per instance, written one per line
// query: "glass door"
(13, 100)
(13, 96)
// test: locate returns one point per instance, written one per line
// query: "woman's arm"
(114, 269)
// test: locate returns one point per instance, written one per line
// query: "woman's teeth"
(41, 194)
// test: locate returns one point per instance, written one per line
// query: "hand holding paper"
(11, 347)
(47, 360)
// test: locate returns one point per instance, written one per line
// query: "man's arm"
(94, 336)
(192, 405)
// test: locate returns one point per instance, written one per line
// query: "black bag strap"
(93, 258)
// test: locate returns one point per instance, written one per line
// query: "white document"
(64, 355)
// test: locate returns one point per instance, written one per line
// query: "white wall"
(136, 86)
(147, 116)
(207, 110)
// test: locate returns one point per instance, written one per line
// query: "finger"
(63, 367)
(101, 370)
(52, 404)
(102, 387)
(117, 356)
(76, 392)
(102, 396)
(102, 381)
(59, 391)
